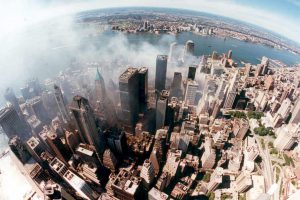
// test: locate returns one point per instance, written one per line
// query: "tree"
(206, 177)
(255, 115)
(237, 114)
(263, 131)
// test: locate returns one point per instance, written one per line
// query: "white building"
(147, 173)
(287, 136)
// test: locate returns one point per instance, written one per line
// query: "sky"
(280, 16)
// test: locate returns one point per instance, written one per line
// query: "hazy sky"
(281, 16)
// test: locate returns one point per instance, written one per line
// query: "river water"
(60, 51)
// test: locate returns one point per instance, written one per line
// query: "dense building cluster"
(214, 131)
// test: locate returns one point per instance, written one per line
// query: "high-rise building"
(126, 186)
(243, 182)
(287, 136)
(10, 96)
(192, 72)
(180, 141)
(284, 109)
(163, 181)
(215, 179)
(161, 108)
(129, 96)
(173, 52)
(208, 158)
(161, 72)
(143, 88)
(155, 194)
(79, 185)
(109, 160)
(190, 92)
(19, 149)
(87, 154)
(221, 91)
(265, 64)
(176, 90)
(12, 124)
(147, 173)
(100, 91)
(232, 92)
(296, 113)
(240, 128)
(38, 108)
(251, 150)
(61, 104)
(269, 82)
(104, 107)
(35, 148)
(56, 145)
(116, 141)
(189, 47)
(155, 160)
(85, 122)
(72, 140)
(26, 93)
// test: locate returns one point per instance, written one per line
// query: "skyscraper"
(12, 124)
(147, 173)
(189, 47)
(243, 182)
(39, 109)
(287, 136)
(109, 160)
(215, 179)
(161, 108)
(192, 72)
(10, 96)
(143, 88)
(129, 96)
(161, 72)
(100, 91)
(19, 149)
(265, 64)
(104, 107)
(232, 92)
(173, 52)
(85, 123)
(240, 128)
(190, 93)
(296, 113)
(61, 104)
(176, 90)
(57, 146)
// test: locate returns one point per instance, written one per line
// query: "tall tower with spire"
(99, 87)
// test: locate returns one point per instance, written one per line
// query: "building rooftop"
(32, 142)
(158, 195)
(129, 72)
(127, 182)
(5, 110)
(85, 151)
(162, 57)
(143, 70)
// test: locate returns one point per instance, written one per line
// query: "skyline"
(281, 17)
(149, 100)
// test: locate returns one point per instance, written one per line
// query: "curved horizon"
(282, 17)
